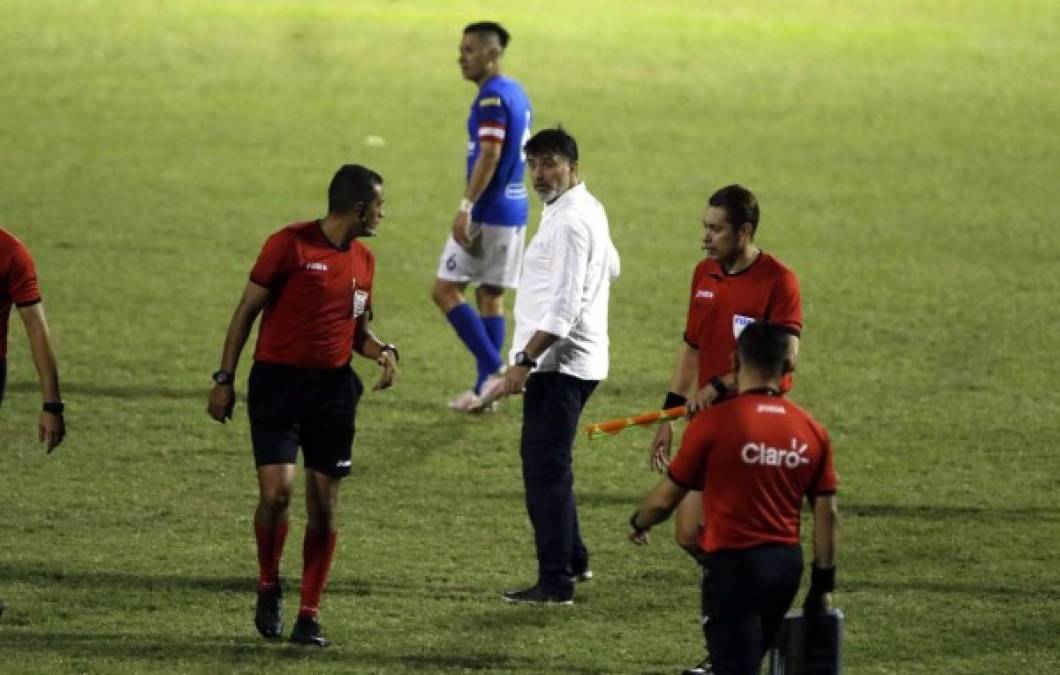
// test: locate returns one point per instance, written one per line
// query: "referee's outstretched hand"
(387, 362)
(222, 401)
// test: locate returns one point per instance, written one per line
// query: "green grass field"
(907, 158)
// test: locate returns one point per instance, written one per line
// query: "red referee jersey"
(722, 304)
(754, 456)
(318, 293)
(18, 281)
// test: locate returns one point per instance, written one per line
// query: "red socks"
(317, 551)
(270, 540)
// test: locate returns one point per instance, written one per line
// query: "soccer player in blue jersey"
(488, 232)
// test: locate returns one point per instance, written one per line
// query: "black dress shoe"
(307, 632)
(539, 596)
(581, 571)
(703, 668)
(269, 615)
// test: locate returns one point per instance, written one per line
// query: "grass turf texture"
(906, 157)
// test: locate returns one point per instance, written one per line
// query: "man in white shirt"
(559, 355)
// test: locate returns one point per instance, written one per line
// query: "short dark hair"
(763, 346)
(740, 204)
(353, 184)
(549, 141)
(490, 28)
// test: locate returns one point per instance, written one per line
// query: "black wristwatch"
(388, 347)
(53, 407)
(525, 360)
(223, 377)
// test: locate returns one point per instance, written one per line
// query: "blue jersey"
(501, 114)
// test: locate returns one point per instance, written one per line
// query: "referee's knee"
(276, 501)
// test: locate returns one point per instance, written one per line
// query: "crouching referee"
(314, 282)
(754, 457)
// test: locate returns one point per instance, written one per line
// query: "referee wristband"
(466, 205)
(822, 579)
(719, 386)
(673, 400)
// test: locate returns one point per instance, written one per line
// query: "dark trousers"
(552, 404)
(3, 378)
(746, 594)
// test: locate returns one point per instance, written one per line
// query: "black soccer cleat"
(536, 595)
(702, 668)
(269, 615)
(307, 632)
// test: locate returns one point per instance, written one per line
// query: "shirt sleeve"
(785, 304)
(570, 265)
(275, 262)
(492, 118)
(22, 278)
(825, 481)
(689, 468)
(691, 322)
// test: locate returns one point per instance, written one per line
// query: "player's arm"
(383, 353)
(681, 385)
(489, 156)
(51, 426)
(223, 395)
(825, 545)
(657, 507)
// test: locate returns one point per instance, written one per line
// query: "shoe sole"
(513, 601)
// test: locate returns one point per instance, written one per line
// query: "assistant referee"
(314, 282)
(754, 457)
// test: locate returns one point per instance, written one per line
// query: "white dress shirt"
(565, 286)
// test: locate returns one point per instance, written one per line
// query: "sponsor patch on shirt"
(317, 266)
(489, 101)
(705, 293)
(771, 409)
(360, 301)
(739, 322)
(515, 191)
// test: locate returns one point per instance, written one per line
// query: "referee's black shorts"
(746, 594)
(315, 409)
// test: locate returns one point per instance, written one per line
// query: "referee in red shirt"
(18, 286)
(736, 284)
(314, 282)
(755, 456)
